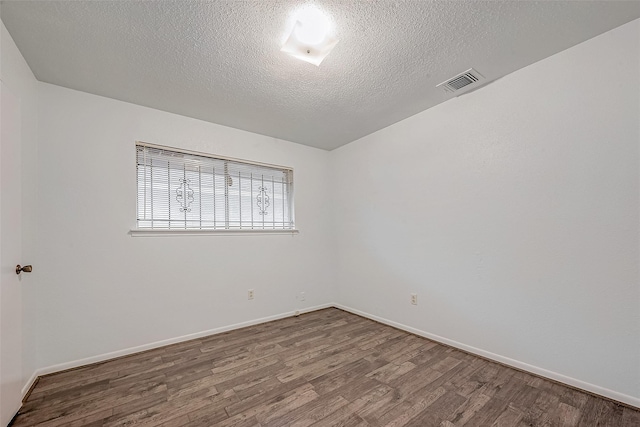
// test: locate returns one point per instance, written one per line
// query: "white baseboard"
(614, 395)
(29, 383)
(132, 350)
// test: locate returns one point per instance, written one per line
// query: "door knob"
(26, 269)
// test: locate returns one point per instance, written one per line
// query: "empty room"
(319, 213)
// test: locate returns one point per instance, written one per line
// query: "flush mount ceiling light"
(310, 39)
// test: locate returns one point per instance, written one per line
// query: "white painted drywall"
(105, 291)
(512, 212)
(18, 78)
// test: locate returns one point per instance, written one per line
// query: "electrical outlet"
(250, 294)
(414, 299)
(301, 296)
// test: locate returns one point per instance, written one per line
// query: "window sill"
(162, 233)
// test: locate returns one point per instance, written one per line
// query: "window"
(182, 190)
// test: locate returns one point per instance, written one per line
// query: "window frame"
(149, 232)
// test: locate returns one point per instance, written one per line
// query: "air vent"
(461, 81)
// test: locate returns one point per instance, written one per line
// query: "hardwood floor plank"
(159, 413)
(601, 412)
(275, 406)
(466, 411)
(524, 397)
(478, 379)
(630, 418)
(510, 417)
(95, 419)
(348, 373)
(566, 415)
(46, 389)
(205, 417)
(323, 368)
(384, 403)
(215, 411)
(539, 413)
(402, 414)
(488, 414)
(275, 394)
(252, 367)
(310, 414)
(415, 380)
(343, 417)
(391, 371)
(254, 383)
(446, 405)
(285, 406)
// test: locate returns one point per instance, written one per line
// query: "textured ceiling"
(220, 61)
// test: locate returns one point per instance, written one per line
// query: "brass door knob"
(26, 269)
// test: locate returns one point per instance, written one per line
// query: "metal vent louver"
(462, 80)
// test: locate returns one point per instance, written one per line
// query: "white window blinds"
(190, 191)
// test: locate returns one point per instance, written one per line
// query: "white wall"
(103, 290)
(513, 212)
(18, 78)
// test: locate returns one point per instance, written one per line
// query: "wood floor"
(325, 368)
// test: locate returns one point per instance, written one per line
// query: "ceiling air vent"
(461, 81)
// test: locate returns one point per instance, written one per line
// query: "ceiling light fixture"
(310, 39)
